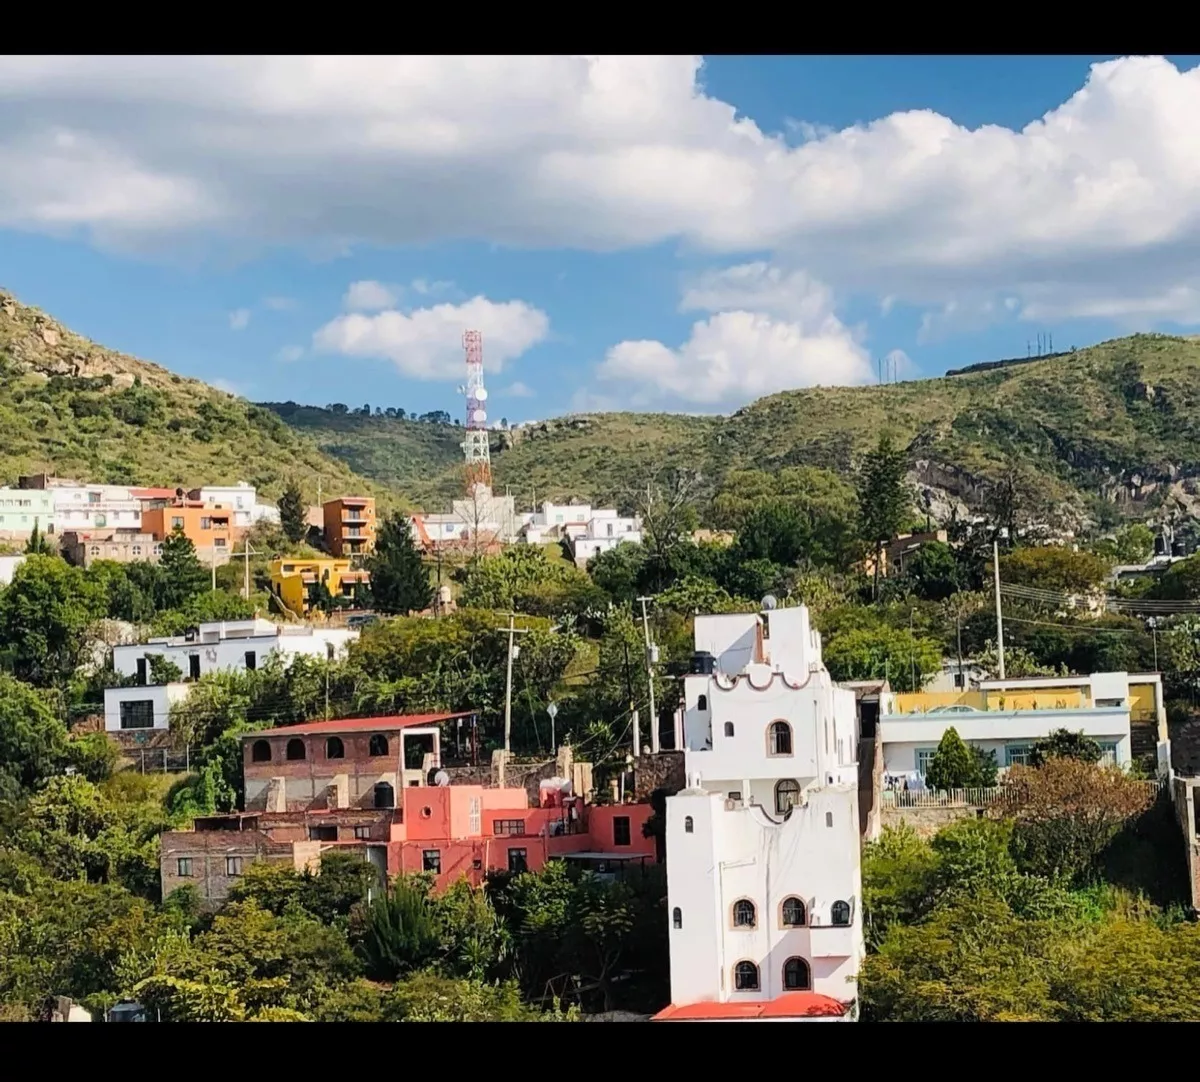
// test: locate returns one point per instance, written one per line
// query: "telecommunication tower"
(475, 446)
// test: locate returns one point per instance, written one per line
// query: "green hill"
(81, 411)
(1107, 431)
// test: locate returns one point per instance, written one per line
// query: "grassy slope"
(72, 407)
(1084, 421)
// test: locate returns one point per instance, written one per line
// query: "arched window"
(295, 749)
(261, 752)
(334, 748)
(839, 912)
(787, 795)
(379, 745)
(688, 826)
(744, 914)
(745, 977)
(729, 728)
(793, 913)
(779, 738)
(702, 703)
(677, 917)
(796, 976)
(385, 795)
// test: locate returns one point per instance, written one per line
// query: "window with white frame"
(233, 866)
(923, 757)
(1016, 754)
(473, 815)
(1108, 752)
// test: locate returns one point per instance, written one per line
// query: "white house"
(482, 516)
(230, 644)
(92, 507)
(241, 499)
(1009, 717)
(137, 708)
(21, 509)
(8, 568)
(764, 887)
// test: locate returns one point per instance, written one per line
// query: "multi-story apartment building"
(241, 499)
(22, 509)
(79, 506)
(349, 524)
(210, 527)
(764, 888)
(84, 547)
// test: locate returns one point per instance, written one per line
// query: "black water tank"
(703, 662)
(1177, 549)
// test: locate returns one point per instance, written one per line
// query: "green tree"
(293, 514)
(399, 933)
(39, 544)
(428, 997)
(880, 652)
(399, 580)
(163, 670)
(33, 742)
(1055, 568)
(183, 576)
(1062, 744)
(932, 572)
(953, 766)
(618, 572)
(45, 614)
(883, 502)
(530, 579)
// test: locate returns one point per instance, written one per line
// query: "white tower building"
(764, 878)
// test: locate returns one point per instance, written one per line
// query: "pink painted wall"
(600, 828)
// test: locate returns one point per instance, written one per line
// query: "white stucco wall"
(162, 696)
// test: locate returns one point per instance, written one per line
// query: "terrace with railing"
(968, 798)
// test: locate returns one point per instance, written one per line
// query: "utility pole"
(512, 630)
(999, 613)
(248, 550)
(650, 659)
(212, 560)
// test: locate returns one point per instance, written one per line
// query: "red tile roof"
(152, 493)
(358, 725)
(789, 1005)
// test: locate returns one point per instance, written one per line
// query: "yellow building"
(294, 580)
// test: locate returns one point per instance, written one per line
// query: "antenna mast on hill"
(475, 446)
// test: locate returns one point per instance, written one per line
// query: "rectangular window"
(431, 861)
(141, 671)
(517, 862)
(1108, 749)
(1016, 755)
(621, 830)
(137, 550)
(362, 833)
(206, 524)
(923, 757)
(183, 867)
(176, 522)
(251, 660)
(322, 834)
(233, 865)
(473, 814)
(194, 666)
(138, 714)
(218, 542)
(508, 826)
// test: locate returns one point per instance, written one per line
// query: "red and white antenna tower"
(475, 446)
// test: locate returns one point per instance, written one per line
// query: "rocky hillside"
(74, 408)
(1108, 431)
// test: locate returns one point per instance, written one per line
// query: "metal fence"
(970, 798)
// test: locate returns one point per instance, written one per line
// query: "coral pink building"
(375, 786)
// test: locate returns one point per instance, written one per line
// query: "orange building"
(350, 525)
(209, 526)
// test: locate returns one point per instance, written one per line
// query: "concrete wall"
(925, 821)
(161, 697)
(1183, 795)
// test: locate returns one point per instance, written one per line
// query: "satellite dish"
(479, 416)
(441, 778)
(769, 602)
(481, 394)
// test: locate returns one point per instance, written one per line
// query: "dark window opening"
(251, 660)
(261, 752)
(194, 666)
(517, 862)
(745, 977)
(379, 745)
(431, 861)
(138, 714)
(839, 913)
(334, 748)
(780, 738)
(688, 826)
(183, 867)
(295, 749)
(621, 835)
(702, 703)
(385, 795)
(796, 975)
(322, 834)
(787, 795)
(141, 671)
(744, 914)
(793, 913)
(729, 728)
(477, 863)
(677, 917)
(508, 826)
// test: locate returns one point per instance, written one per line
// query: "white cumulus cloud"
(609, 152)
(288, 354)
(427, 343)
(518, 390)
(239, 320)
(369, 296)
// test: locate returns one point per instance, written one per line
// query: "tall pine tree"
(183, 575)
(293, 516)
(399, 582)
(882, 499)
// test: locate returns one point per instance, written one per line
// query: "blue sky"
(641, 233)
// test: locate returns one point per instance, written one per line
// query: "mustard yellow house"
(294, 581)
